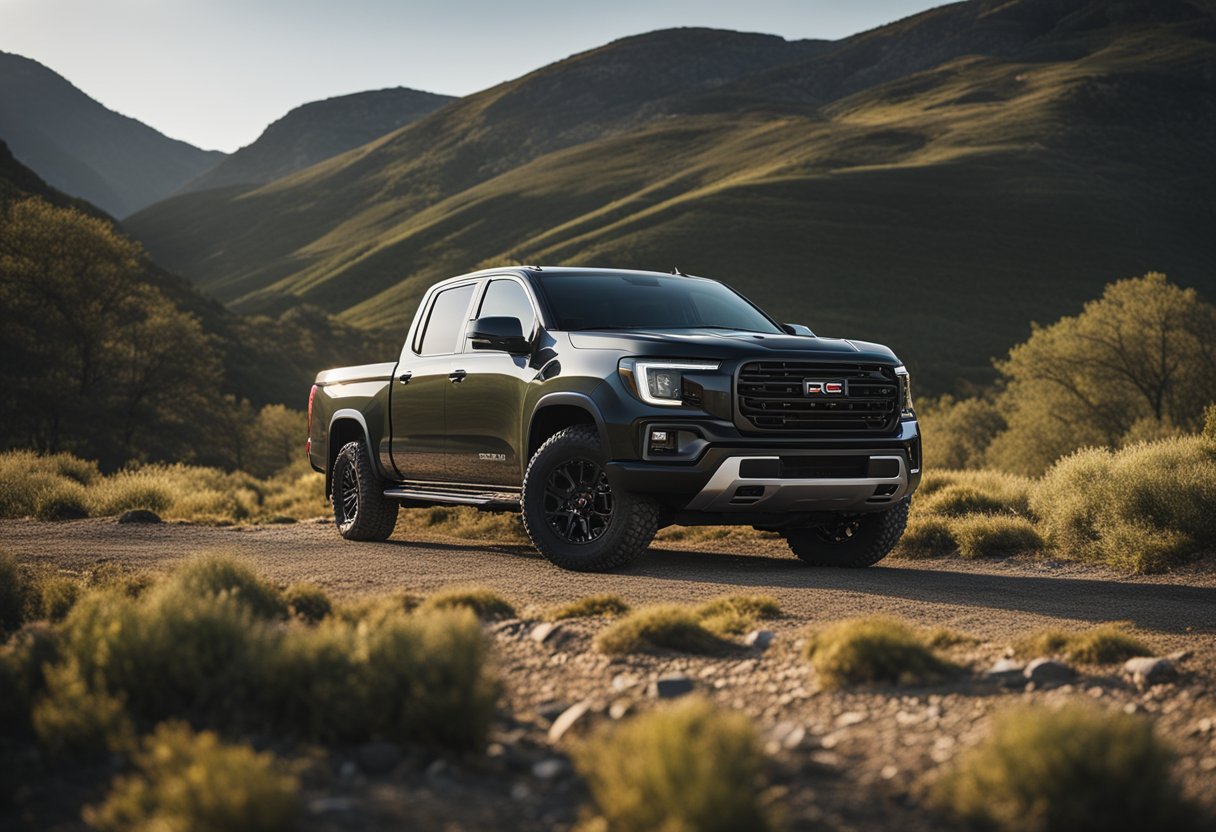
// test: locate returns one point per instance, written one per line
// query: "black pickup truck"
(605, 404)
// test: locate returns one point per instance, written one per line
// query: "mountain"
(80, 147)
(936, 184)
(318, 130)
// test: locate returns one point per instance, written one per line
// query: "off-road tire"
(634, 519)
(875, 536)
(374, 516)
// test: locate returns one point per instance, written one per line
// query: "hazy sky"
(216, 72)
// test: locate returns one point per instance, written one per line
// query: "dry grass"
(874, 650)
(593, 606)
(485, 603)
(926, 537)
(1070, 769)
(1143, 508)
(663, 627)
(689, 767)
(995, 536)
(995, 490)
(308, 602)
(735, 615)
(1104, 644)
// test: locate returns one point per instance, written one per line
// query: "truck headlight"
(661, 382)
(906, 410)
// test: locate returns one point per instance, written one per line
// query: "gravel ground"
(854, 759)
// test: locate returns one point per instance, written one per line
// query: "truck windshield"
(639, 301)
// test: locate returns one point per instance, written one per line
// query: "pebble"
(760, 639)
(620, 709)
(671, 686)
(1146, 671)
(1007, 672)
(550, 768)
(567, 720)
(1048, 671)
(850, 718)
(787, 735)
(624, 681)
(544, 631)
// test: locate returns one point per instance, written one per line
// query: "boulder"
(1049, 672)
(672, 686)
(139, 515)
(760, 639)
(1146, 671)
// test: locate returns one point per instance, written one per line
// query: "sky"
(215, 73)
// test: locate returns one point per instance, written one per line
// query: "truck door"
(416, 405)
(485, 409)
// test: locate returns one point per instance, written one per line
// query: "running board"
(453, 497)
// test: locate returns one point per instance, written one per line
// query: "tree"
(97, 360)
(1142, 356)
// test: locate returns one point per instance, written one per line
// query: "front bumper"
(763, 476)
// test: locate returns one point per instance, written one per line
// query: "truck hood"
(726, 343)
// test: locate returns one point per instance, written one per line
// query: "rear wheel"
(571, 512)
(361, 511)
(854, 540)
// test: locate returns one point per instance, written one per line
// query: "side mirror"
(499, 333)
(797, 329)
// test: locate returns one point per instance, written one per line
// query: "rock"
(549, 711)
(624, 681)
(788, 735)
(139, 515)
(509, 626)
(1146, 671)
(282, 520)
(567, 720)
(1007, 672)
(672, 686)
(849, 718)
(378, 756)
(550, 768)
(1048, 672)
(544, 631)
(760, 639)
(620, 709)
(330, 806)
(1179, 656)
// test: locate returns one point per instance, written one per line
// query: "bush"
(873, 650)
(14, 593)
(218, 574)
(307, 602)
(1076, 768)
(195, 782)
(1209, 422)
(685, 768)
(78, 718)
(957, 500)
(468, 523)
(995, 536)
(57, 596)
(485, 603)
(956, 432)
(926, 537)
(665, 627)
(1105, 644)
(1142, 508)
(66, 500)
(736, 614)
(1010, 491)
(590, 607)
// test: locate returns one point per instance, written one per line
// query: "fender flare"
(345, 413)
(580, 400)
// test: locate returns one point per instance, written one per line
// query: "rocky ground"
(851, 759)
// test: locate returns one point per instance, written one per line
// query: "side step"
(490, 500)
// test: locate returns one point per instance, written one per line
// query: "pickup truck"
(606, 404)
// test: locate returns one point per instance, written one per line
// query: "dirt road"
(990, 600)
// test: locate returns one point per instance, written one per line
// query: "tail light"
(312, 394)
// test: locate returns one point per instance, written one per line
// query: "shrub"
(590, 607)
(1104, 644)
(685, 768)
(736, 614)
(78, 718)
(957, 432)
(111, 575)
(1076, 768)
(485, 603)
(926, 537)
(219, 574)
(1209, 422)
(372, 609)
(14, 593)
(957, 500)
(665, 627)
(1010, 491)
(469, 523)
(307, 602)
(1142, 508)
(66, 500)
(995, 536)
(873, 650)
(57, 596)
(129, 490)
(194, 781)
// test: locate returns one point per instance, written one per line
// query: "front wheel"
(851, 540)
(361, 511)
(573, 515)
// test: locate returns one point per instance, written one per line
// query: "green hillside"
(85, 149)
(318, 130)
(936, 184)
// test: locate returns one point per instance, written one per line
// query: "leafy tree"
(97, 360)
(1138, 362)
(957, 432)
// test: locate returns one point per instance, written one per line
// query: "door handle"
(456, 376)
(404, 378)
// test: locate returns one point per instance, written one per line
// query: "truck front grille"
(772, 396)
